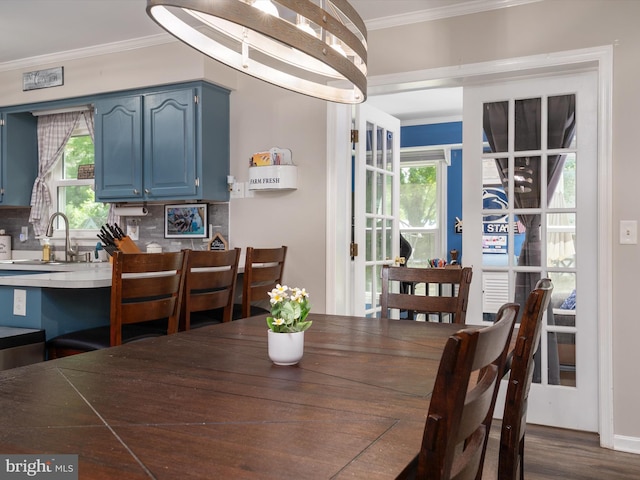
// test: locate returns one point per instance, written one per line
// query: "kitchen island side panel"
(68, 310)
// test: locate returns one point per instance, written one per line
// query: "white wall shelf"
(273, 177)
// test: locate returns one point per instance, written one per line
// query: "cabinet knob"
(147, 191)
(136, 191)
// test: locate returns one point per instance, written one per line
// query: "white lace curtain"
(54, 132)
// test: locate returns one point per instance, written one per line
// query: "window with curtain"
(73, 196)
(65, 142)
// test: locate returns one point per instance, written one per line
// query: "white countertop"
(68, 275)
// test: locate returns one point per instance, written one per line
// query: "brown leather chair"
(453, 444)
(146, 295)
(522, 366)
(453, 280)
(209, 287)
(263, 269)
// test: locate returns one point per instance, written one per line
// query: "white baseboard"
(622, 443)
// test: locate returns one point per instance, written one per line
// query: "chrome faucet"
(69, 253)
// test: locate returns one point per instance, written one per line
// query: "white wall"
(264, 116)
(538, 28)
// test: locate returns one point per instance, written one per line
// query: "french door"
(375, 204)
(529, 211)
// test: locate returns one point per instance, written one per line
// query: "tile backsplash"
(150, 228)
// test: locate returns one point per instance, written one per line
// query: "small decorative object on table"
(287, 323)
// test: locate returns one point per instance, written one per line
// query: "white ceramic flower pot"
(285, 348)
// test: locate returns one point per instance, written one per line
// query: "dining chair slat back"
(263, 270)
(450, 285)
(145, 287)
(210, 282)
(145, 301)
(453, 444)
(511, 453)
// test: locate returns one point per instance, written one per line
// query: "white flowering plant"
(289, 310)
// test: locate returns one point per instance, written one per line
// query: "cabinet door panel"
(118, 153)
(18, 158)
(169, 148)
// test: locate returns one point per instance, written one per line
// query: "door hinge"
(353, 249)
(197, 181)
(2, 123)
(354, 136)
(195, 99)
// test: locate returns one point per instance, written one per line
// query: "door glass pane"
(495, 288)
(389, 144)
(369, 240)
(379, 255)
(388, 240)
(561, 240)
(388, 207)
(527, 124)
(380, 145)
(495, 118)
(370, 146)
(370, 192)
(560, 133)
(567, 358)
(379, 179)
(526, 182)
(564, 195)
(497, 223)
(563, 301)
(368, 287)
(378, 285)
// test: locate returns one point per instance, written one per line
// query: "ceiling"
(35, 28)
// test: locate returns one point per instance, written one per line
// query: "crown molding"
(475, 6)
(107, 48)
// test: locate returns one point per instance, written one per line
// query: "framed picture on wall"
(188, 220)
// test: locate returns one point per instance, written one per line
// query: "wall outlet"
(132, 231)
(24, 234)
(20, 302)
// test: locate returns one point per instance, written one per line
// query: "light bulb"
(267, 7)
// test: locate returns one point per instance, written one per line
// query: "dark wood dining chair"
(511, 454)
(451, 286)
(146, 295)
(209, 287)
(463, 398)
(263, 269)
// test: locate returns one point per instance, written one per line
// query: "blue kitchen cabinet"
(169, 144)
(18, 157)
(118, 148)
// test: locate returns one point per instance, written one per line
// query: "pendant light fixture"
(314, 47)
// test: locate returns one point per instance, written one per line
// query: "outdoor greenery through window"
(76, 197)
(420, 211)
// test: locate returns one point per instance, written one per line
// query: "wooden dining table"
(209, 404)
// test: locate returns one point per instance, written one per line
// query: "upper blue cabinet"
(164, 144)
(18, 158)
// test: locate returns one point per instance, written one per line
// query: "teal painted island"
(58, 298)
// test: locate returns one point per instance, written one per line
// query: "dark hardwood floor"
(552, 453)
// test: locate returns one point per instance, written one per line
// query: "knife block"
(126, 245)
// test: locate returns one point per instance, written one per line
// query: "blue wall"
(443, 134)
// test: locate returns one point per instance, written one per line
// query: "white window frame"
(440, 156)
(83, 237)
